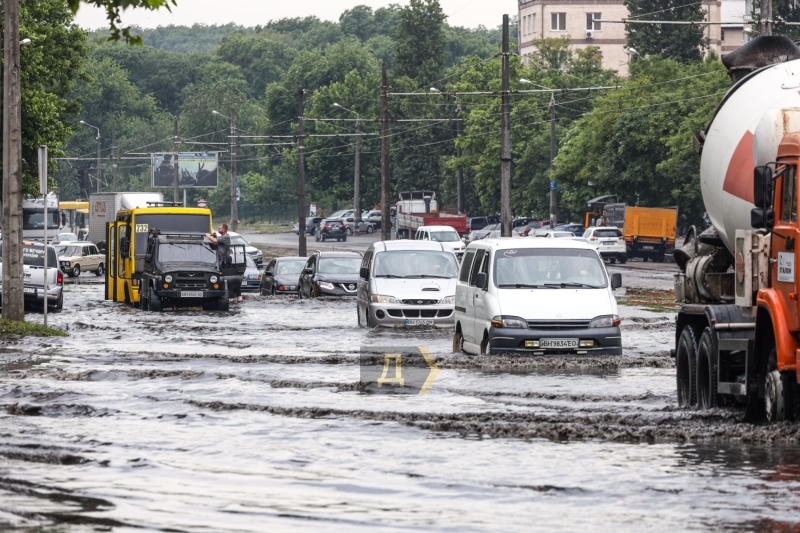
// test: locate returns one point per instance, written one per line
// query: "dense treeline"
(633, 140)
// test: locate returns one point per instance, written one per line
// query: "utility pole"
(386, 219)
(357, 184)
(234, 178)
(99, 170)
(505, 149)
(176, 170)
(553, 151)
(13, 302)
(301, 178)
(114, 155)
(460, 178)
(766, 17)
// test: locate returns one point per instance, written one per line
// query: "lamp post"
(98, 151)
(357, 177)
(234, 180)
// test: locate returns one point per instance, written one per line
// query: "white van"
(407, 283)
(536, 296)
(443, 234)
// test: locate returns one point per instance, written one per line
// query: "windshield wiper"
(388, 276)
(565, 284)
(520, 286)
(427, 276)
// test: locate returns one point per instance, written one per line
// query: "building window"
(533, 23)
(558, 22)
(593, 22)
(722, 35)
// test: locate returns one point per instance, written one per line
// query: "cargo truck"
(737, 335)
(649, 231)
(103, 208)
(419, 208)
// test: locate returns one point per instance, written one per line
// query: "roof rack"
(165, 204)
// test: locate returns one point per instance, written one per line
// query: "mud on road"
(258, 419)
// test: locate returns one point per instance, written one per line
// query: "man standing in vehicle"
(223, 242)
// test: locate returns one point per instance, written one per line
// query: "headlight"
(605, 321)
(168, 278)
(325, 285)
(213, 279)
(449, 300)
(379, 299)
(66, 263)
(509, 322)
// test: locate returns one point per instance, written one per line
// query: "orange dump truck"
(649, 231)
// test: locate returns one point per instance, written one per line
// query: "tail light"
(593, 239)
(326, 226)
(60, 277)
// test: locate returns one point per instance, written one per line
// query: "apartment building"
(580, 20)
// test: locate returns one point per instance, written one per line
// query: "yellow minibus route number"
(141, 228)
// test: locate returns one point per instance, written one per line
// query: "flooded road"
(256, 420)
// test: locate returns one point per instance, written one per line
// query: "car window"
(33, 255)
(249, 262)
(85, 251)
(445, 236)
(239, 240)
(608, 233)
(475, 265)
(289, 267)
(95, 251)
(339, 265)
(367, 258)
(270, 267)
(466, 264)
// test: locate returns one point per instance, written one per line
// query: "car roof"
(291, 258)
(408, 244)
(437, 228)
(338, 254)
(506, 243)
(605, 227)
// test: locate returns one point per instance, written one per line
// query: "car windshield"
(174, 252)
(33, 218)
(289, 267)
(415, 264)
(339, 265)
(67, 237)
(608, 233)
(68, 251)
(490, 227)
(237, 239)
(561, 234)
(33, 255)
(445, 236)
(549, 268)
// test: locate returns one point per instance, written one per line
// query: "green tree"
(680, 42)
(359, 22)
(261, 59)
(420, 44)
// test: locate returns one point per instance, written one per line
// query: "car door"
(481, 307)
(471, 293)
(268, 279)
(97, 256)
(463, 290)
(86, 259)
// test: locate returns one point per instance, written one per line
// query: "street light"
(553, 150)
(98, 150)
(357, 177)
(529, 82)
(234, 180)
(434, 90)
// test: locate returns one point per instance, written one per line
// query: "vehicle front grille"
(189, 285)
(349, 287)
(419, 313)
(558, 325)
(420, 302)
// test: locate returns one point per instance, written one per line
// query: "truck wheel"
(778, 392)
(707, 397)
(686, 368)
(154, 301)
(223, 303)
(100, 270)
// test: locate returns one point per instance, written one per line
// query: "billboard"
(195, 169)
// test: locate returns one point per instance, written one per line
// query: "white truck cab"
(536, 296)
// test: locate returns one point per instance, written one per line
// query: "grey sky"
(469, 13)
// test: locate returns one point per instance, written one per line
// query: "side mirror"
(364, 272)
(763, 186)
(480, 280)
(267, 274)
(616, 281)
(148, 258)
(349, 219)
(308, 270)
(762, 218)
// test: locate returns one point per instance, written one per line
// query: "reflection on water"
(255, 420)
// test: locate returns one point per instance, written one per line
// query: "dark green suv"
(183, 271)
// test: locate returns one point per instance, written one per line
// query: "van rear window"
(33, 255)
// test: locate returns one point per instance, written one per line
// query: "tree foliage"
(420, 42)
(679, 42)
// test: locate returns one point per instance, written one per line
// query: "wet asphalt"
(258, 419)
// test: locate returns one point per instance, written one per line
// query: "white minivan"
(407, 283)
(443, 234)
(536, 296)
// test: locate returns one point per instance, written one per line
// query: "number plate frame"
(191, 294)
(558, 343)
(29, 290)
(412, 322)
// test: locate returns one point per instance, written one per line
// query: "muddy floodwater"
(256, 420)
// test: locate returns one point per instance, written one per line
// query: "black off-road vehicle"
(183, 271)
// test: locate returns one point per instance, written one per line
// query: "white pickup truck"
(33, 270)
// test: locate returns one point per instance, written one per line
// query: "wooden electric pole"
(176, 170)
(234, 177)
(460, 172)
(766, 17)
(505, 149)
(301, 178)
(553, 152)
(13, 298)
(114, 166)
(386, 219)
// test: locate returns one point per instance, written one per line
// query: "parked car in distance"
(330, 274)
(67, 237)
(77, 257)
(373, 217)
(444, 234)
(252, 252)
(343, 213)
(609, 241)
(520, 222)
(536, 296)
(363, 226)
(475, 235)
(252, 276)
(551, 233)
(577, 229)
(312, 224)
(332, 228)
(33, 271)
(407, 283)
(282, 276)
(476, 223)
(530, 226)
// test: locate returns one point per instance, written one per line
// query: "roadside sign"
(313, 209)
(201, 202)
(553, 185)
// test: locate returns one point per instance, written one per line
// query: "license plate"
(648, 247)
(29, 290)
(418, 322)
(609, 242)
(191, 294)
(558, 343)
